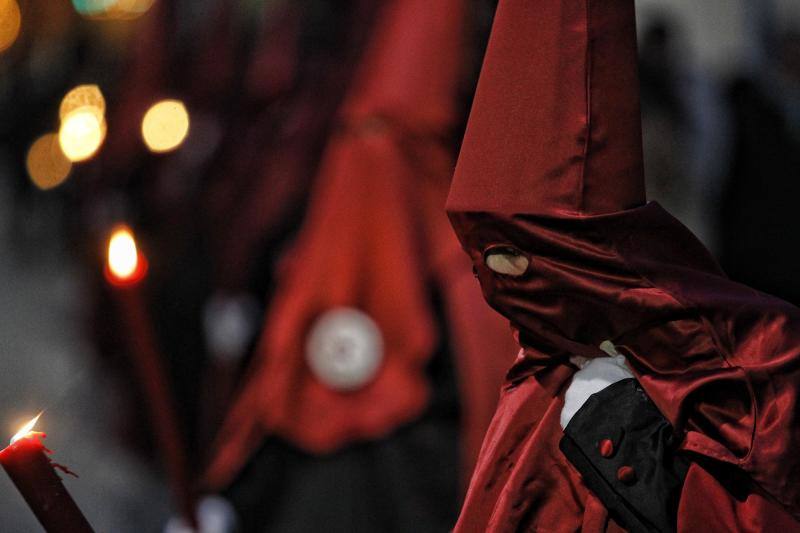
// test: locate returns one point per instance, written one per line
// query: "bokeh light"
(88, 96)
(10, 22)
(47, 166)
(123, 258)
(112, 9)
(130, 8)
(83, 123)
(92, 7)
(165, 125)
(81, 134)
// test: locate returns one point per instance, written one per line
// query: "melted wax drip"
(41, 435)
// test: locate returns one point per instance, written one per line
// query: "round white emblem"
(344, 348)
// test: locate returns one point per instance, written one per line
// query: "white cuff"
(594, 375)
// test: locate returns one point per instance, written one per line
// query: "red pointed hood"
(408, 73)
(555, 126)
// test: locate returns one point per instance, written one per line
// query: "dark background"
(721, 112)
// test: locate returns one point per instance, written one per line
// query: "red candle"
(125, 269)
(26, 463)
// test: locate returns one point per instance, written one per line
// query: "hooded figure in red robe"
(548, 201)
(348, 400)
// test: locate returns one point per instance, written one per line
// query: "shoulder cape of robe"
(720, 360)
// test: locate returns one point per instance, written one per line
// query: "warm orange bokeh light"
(47, 165)
(112, 9)
(165, 125)
(81, 134)
(83, 96)
(123, 257)
(83, 123)
(27, 428)
(126, 9)
(10, 22)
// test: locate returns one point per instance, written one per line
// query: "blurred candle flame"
(123, 257)
(27, 428)
(165, 125)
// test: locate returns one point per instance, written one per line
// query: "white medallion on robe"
(344, 348)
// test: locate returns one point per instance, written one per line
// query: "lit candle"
(125, 270)
(26, 463)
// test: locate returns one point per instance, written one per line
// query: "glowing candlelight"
(125, 264)
(122, 254)
(125, 267)
(27, 428)
(33, 473)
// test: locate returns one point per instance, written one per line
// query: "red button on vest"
(626, 474)
(606, 448)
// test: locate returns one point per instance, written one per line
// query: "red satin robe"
(720, 360)
(551, 168)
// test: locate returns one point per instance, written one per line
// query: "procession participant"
(548, 201)
(376, 353)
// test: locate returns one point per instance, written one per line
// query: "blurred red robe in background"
(375, 240)
(314, 179)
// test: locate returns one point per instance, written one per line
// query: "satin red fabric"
(555, 126)
(720, 360)
(376, 239)
(272, 148)
(551, 167)
(337, 264)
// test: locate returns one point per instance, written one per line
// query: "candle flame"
(27, 428)
(123, 257)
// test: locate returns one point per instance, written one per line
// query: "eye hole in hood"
(507, 260)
